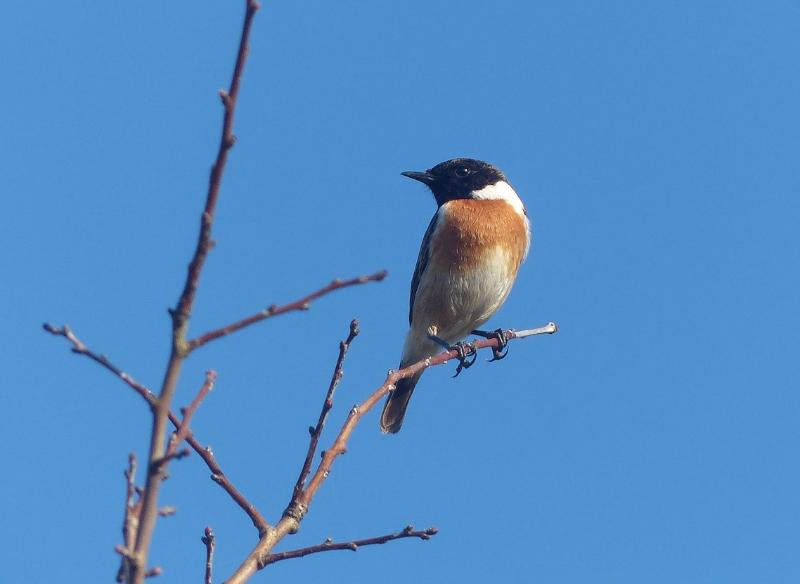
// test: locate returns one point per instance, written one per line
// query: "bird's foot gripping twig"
(501, 350)
(463, 350)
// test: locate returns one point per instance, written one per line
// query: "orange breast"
(472, 227)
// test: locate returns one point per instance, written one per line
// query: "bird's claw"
(464, 350)
(497, 354)
(501, 350)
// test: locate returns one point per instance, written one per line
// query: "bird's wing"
(422, 262)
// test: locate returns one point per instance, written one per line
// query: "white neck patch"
(503, 191)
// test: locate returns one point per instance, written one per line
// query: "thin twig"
(131, 516)
(316, 431)
(289, 523)
(130, 521)
(210, 541)
(548, 329)
(217, 475)
(187, 412)
(80, 349)
(153, 572)
(226, 142)
(169, 457)
(274, 310)
(329, 546)
(129, 559)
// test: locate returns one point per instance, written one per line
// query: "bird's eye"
(462, 171)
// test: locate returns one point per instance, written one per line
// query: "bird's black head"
(458, 178)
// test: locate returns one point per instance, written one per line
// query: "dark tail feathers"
(394, 410)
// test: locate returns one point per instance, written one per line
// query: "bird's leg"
(498, 352)
(462, 348)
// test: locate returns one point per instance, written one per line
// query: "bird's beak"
(423, 177)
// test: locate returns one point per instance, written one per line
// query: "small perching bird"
(467, 264)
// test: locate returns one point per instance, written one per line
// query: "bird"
(467, 264)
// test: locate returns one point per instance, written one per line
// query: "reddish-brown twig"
(80, 349)
(222, 480)
(329, 546)
(153, 572)
(182, 431)
(275, 310)
(209, 539)
(290, 522)
(226, 142)
(316, 431)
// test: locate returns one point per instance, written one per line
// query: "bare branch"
(329, 546)
(316, 431)
(217, 475)
(290, 522)
(340, 444)
(205, 453)
(209, 539)
(274, 310)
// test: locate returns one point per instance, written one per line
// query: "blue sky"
(654, 439)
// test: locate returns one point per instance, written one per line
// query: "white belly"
(456, 302)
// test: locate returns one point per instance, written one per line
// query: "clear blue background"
(654, 439)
